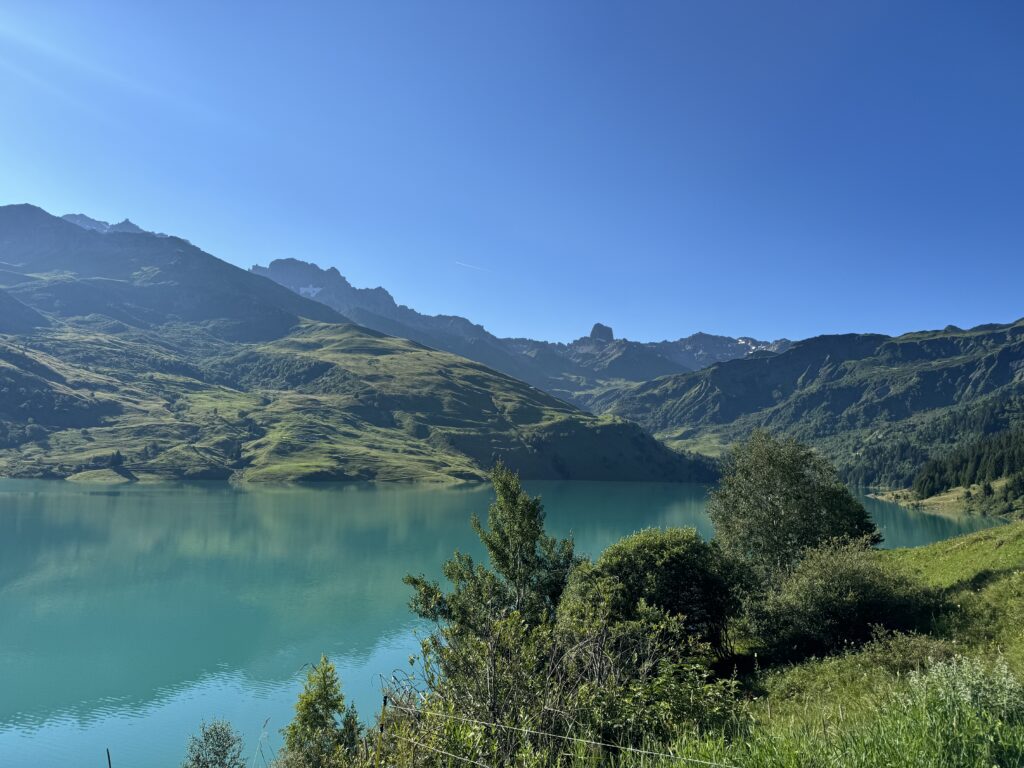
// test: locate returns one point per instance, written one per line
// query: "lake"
(128, 614)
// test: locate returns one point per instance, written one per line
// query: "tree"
(610, 666)
(495, 624)
(778, 498)
(674, 571)
(529, 569)
(324, 733)
(217, 745)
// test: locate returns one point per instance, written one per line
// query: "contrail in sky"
(472, 266)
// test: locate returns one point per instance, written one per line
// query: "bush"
(217, 745)
(835, 597)
(674, 571)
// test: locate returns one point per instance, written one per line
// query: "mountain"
(140, 280)
(879, 406)
(15, 317)
(577, 371)
(155, 359)
(375, 308)
(85, 222)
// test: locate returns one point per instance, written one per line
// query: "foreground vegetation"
(788, 641)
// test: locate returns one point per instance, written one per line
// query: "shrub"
(673, 571)
(217, 745)
(834, 597)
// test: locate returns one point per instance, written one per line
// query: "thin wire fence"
(439, 751)
(575, 739)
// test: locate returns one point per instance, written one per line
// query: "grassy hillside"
(326, 401)
(904, 701)
(879, 407)
(983, 576)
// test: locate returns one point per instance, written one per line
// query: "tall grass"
(961, 713)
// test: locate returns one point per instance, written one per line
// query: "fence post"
(380, 731)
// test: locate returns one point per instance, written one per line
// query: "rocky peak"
(87, 222)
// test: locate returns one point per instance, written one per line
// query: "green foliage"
(672, 570)
(528, 573)
(324, 733)
(217, 745)
(622, 672)
(644, 678)
(533, 566)
(838, 595)
(778, 498)
(979, 462)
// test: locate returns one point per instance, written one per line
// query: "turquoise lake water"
(130, 614)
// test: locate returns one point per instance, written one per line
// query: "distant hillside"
(577, 371)
(144, 356)
(984, 476)
(879, 406)
(991, 458)
(15, 317)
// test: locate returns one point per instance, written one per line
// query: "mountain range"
(878, 406)
(127, 354)
(577, 371)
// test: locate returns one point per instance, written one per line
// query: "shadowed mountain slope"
(140, 279)
(879, 406)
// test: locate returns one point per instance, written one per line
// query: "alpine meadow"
(576, 385)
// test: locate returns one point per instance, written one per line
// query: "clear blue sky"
(762, 168)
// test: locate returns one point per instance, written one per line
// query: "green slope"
(983, 576)
(878, 406)
(15, 317)
(325, 402)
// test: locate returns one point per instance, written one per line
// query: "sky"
(745, 168)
